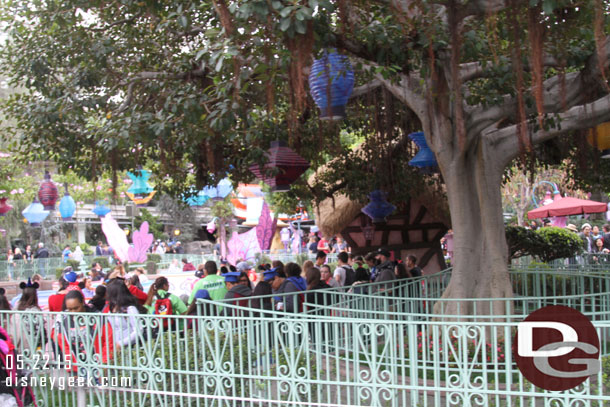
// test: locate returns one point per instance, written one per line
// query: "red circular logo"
(556, 348)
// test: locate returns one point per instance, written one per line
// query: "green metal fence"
(22, 269)
(384, 347)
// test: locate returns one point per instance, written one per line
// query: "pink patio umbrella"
(567, 206)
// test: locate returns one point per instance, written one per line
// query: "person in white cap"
(585, 235)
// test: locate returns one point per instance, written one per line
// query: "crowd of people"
(122, 295)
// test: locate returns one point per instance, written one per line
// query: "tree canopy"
(109, 84)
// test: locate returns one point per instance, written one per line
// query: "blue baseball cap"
(202, 294)
(70, 277)
(269, 274)
(232, 277)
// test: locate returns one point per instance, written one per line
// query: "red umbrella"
(567, 206)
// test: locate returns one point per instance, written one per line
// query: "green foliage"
(301, 258)
(206, 342)
(223, 209)
(155, 258)
(181, 216)
(75, 264)
(102, 260)
(606, 371)
(547, 244)
(260, 258)
(559, 243)
(154, 224)
(86, 248)
(522, 242)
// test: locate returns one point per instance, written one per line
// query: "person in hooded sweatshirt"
(239, 291)
(293, 283)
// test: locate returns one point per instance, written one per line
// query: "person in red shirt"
(323, 246)
(186, 266)
(132, 286)
(56, 301)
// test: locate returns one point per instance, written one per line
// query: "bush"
(155, 258)
(301, 258)
(151, 267)
(172, 352)
(522, 242)
(547, 244)
(74, 264)
(103, 260)
(559, 243)
(86, 248)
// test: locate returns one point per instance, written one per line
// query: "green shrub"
(103, 260)
(74, 264)
(301, 258)
(606, 372)
(559, 243)
(86, 248)
(171, 352)
(547, 244)
(58, 272)
(522, 242)
(260, 258)
(156, 258)
(151, 267)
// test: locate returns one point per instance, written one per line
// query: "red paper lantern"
(4, 207)
(47, 193)
(289, 166)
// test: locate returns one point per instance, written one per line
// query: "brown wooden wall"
(413, 231)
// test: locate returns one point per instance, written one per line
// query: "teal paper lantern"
(35, 213)
(140, 184)
(67, 206)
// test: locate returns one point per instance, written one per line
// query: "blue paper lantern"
(140, 184)
(100, 209)
(424, 158)
(218, 192)
(67, 206)
(331, 82)
(35, 213)
(379, 207)
(197, 200)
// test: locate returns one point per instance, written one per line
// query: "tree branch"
(119, 22)
(578, 90)
(576, 118)
(476, 70)
(364, 89)
(482, 7)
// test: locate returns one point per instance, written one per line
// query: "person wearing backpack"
(161, 302)
(212, 282)
(344, 273)
(239, 290)
(293, 283)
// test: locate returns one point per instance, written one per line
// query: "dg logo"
(557, 348)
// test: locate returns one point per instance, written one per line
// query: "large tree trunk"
(480, 267)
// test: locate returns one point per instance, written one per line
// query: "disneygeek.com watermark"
(557, 348)
(67, 382)
(44, 371)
